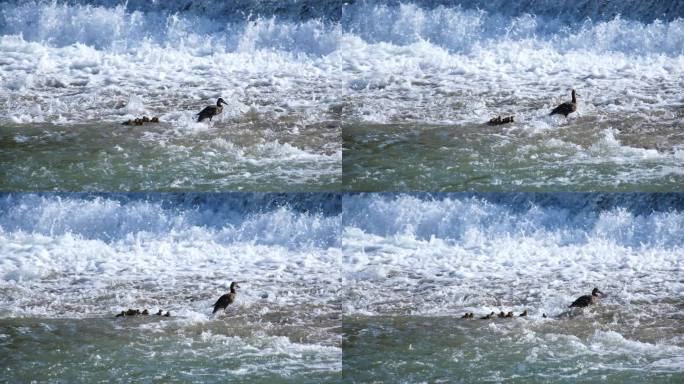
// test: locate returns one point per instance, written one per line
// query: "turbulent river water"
(72, 72)
(415, 264)
(431, 74)
(70, 263)
(327, 99)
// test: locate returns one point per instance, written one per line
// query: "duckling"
(499, 121)
(155, 119)
(145, 312)
(466, 316)
(495, 120)
(167, 314)
(145, 119)
(490, 316)
(523, 314)
(122, 314)
(502, 315)
(159, 313)
(509, 314)
(544, 315)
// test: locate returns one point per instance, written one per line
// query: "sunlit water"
(72, 72)
(415, 264)
(70, 263)
(431, 74)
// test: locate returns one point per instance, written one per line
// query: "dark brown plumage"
(587, 300)
(498, 120)
(224, 301)
(490, 316)
(212, 110)
(566, 108)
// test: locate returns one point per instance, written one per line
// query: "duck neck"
(232, 289)
(574, 99)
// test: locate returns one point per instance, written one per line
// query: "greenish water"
(162, 350)
(546, 154)
(248, 155)
(410, 349)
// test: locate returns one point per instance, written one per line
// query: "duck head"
(234, 285)
(574, 94)
(221, 101)
(596, 292)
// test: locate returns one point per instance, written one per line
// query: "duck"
(159, 313)
(167, 314)
(211, 110)
(224, 301)
(502, 315)
(566, 108)
(523, 314)
(509, 314)
(587, 300)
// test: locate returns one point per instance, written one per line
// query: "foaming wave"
(469, 31)
(529, 251)
(453, 218)
(154, 217)
(119, 28)
(69, 255)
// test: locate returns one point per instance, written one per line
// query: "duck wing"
(207, 112)
(581, 301)
(222, 302)
(563, 109)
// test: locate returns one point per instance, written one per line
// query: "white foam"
(72, 256)
(441, 251)
(386, 63)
